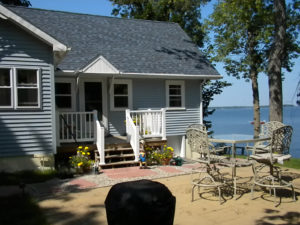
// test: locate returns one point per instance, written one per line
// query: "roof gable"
(100, 64)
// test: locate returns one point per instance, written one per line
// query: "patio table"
(233, 162)
(237, 139)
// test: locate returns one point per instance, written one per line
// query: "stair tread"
(119, 163)
(119, 156)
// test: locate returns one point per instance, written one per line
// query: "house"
(66, 76)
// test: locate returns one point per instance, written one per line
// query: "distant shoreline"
(232, 107)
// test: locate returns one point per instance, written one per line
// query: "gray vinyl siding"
(26, 132)
(151, 93)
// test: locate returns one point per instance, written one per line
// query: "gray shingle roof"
(132, 46)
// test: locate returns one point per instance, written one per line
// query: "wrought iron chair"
(266, 131)
(277, 153)
(209, 176)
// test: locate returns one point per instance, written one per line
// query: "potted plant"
(161, 156)
(81, 162)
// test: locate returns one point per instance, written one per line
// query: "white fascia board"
(173, 76)
(100, 65)
(57, 46)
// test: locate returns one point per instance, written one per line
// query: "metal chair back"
(281, 140)
(198, 141)
(267, 128)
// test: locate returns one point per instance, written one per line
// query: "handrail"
(99, 138)
(152, 123)
(133, 135)
(75, 125)
(81, 127)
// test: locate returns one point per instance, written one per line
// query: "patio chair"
(209, 176)
(277, 153)
(266, 131)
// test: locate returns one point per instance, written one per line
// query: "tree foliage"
(184, 12)
(244, 37)
(25, 3)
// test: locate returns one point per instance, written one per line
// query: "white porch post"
(164, 130)
(58, 129)
(201, 102)
(182, 149)
(99, 137)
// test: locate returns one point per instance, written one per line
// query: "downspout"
(76, 74)
(201, 101)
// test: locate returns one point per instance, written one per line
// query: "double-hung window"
(64, 95)
(19, 88)
(6, 88)
(175, 94)
(121, 98)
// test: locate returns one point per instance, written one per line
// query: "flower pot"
(165, 162)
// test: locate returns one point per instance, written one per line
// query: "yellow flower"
(83, 153)
(80, 147)
(170, 148)
(86, 148)
(70, 157)
(88, 153)
(79, 164)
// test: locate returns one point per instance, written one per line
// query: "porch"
(85, 128)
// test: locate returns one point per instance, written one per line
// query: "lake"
(237, 121)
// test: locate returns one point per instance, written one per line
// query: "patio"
(81, 202)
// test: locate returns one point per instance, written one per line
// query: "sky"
(239, 94)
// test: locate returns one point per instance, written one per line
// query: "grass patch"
(292, 163)
(26, 177)
(21, 210)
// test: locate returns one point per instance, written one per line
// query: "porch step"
(119, 164)
(119, 156)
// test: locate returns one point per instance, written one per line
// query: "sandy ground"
(87, 206)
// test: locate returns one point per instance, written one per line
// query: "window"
(175, 94)
(27, 88)
(5, 88)
(64, 98)
(122, 97)
(19, 88)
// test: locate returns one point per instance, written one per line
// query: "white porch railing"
(81, 127)
(133, 135)
(151, 123)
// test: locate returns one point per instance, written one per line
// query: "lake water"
(237, 121)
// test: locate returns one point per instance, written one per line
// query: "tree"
(25, 3)
(244, 41)
(238, 31)
(184, 12)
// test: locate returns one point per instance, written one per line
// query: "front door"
(93, 97)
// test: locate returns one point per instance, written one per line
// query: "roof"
(130, 45)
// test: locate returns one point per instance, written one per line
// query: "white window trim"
(175, 82)
(112, 99)
(73, 96)
(14, 88)
(11, 106)
(38, 87)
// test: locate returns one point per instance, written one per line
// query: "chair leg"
(234, 186)
(252, 191)
(220, 194)
(193, 188)
(293, 193)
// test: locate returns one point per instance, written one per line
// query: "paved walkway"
(106, 178)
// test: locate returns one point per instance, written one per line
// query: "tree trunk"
(275, 62)
(256, 107)
(253, 76)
